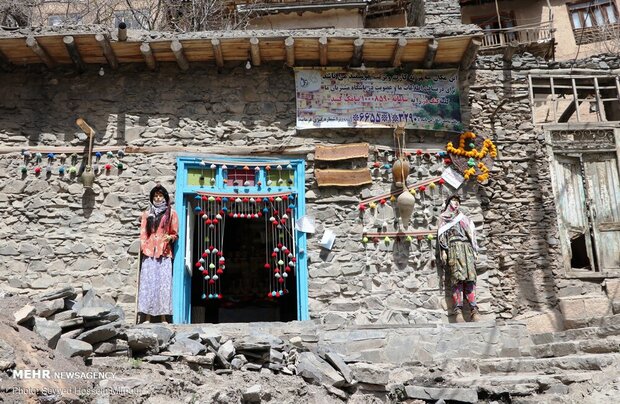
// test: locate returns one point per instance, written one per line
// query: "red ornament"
(108, 167)
(230, 215)
(267, 168)
(245, 200)
(205, 255)
(215, 221)
(289, 210)
(283, 221)
(276, 271)
(382, 201)
(275, 213)
(205, 272)
(376, 164)
(441, 181)
(37, 170)
(362, 207)
(274, 254)
(211, 248)
(447, 161)
(198, 264)
(267, 266)
(287, 269)
(211, 282)
(294, 259)
(204, 198)
(208, 221)
(280, 245)
(422, 188)
(419, 152)
(281, 280)
(219, 271)
(202, 212)
(218, 199)
(271, 199)
(219, 296)
(269, 295)
(219, 253)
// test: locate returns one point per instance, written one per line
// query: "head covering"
(450, 199)
(159, 188)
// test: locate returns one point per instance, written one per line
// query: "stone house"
(206, 114)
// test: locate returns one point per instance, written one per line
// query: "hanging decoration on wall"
(44, 162)
(474, 156)
(277, 212)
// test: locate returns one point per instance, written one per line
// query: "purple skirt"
(155, 294)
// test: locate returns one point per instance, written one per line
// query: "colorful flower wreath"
(487, 148)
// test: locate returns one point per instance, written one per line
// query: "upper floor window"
(136, 19)
(591, 20)
(66, 19)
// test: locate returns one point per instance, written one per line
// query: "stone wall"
(56, 234)
(441, 12)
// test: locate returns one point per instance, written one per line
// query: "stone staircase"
(576, 365)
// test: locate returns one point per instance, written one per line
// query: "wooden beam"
(398, 51)
(599, 102)
(510, 50)
(343, 178)
(576, 95)
(177, 49)
(40, 52)
(108, 52)
(341, 152)
(568, 112)
(5, 64)
(149, 58)
(289, 45)
(358, 48)
(217, 52)
(323, 51)
(74, 53)
(122, 32)
(254, 51)
(470, 53)
(431, 51)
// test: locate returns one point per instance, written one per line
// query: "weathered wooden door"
(603, 193)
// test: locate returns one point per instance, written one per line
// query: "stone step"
(568, 363)
(606, 327)
(522, 384)
(587, 346)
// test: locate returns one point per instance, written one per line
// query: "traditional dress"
(457, 236)
(155, 294)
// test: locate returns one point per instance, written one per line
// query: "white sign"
(328, 239)
(453, 178)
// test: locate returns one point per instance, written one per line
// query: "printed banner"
(422, 99)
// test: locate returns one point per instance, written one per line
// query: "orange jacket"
(155, 245)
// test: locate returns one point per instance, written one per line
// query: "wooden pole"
(576, 95)
(74, 53)
(431, 52)
(149, 58)
(358, 47)
(217, 52)
(470, 53)
(599, 102)
(90, 132)
(255, 51)
(323, 51)
(499, 17)
(122, 32)
(289, 45)
(398, 51)
(108, 52)
(40, 52)
(177, 49)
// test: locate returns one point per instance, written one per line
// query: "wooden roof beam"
(470, 53)
(177, 48)
(398, 52)
(254, 51)
(40, 52)
(358, 49)
(5, 64)
(431, 52)
(108, 52)
(217, 52)
(323, 51)
(74, 53)
(122, 31)
(147, 53)
(289, 45)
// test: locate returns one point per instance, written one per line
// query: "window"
(593, 21)
(136, 19)
(68, 19)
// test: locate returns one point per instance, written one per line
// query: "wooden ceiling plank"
(108, 52)
(5, 64)
(255, 51)
(147, 54)
(177, 48)
(398, 51)
(217, 51)
(74, 53)
(323, 51)
(431, 52)
(289, 44)
(358, 49)
(33, 44)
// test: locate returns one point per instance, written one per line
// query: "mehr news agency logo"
(37, 374)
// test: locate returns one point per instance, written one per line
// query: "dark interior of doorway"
(579, 258)
(245, 282)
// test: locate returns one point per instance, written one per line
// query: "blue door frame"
(181, 279)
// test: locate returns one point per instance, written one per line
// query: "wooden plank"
(177, 48)
(452, 49)
(599, 102)
(341, 152)
(398, 51)
(55, 49)
(416, 50)
(342, 178)
(33, 44)
(289, 44)
(74, 53)
(576, 100)
(5, 64)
